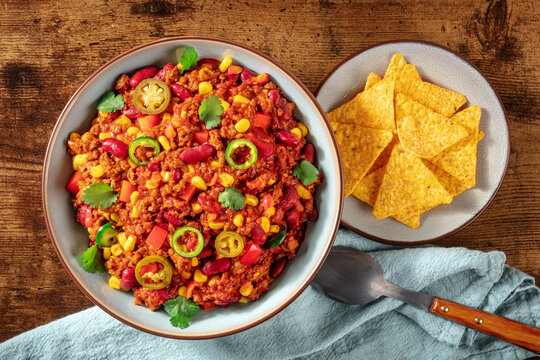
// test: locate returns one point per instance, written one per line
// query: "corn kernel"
(106, 253)
(114, 282)
(243, 300)
(196, 207)
(199, 183)
(183, 114)
(97, 171)
(226, 179)
(251, 200)
(132, 130)
(225, 104)
(246, 289)
(242, 126)
(238, 220)
(179, 66)
(303, 192)
(129, 245)
(239, 99)
(121, 237)
(302, 128)
(182, 291)
(135, 212)
(115, 217)
(274, 228)
(190, 168)
(78, 160)
(164, 142)
(215, 164)
(165, 176)
(116, 250)
(86, 136)
(185, 275)
(105, 135)
(205, 87)
(297, 132)
(74, 136)
(133, 197)
(199, 276)
(194, 261)
(227, 61)
(213, 280)
(216, 225)
(166, 116)
(175, 122)
(152, 184)
(271, 181)
(270, 211)
(265, 223)
(123, 120)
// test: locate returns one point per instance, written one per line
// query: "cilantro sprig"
(92, 260)
(188, 59)
(110, 102)
(210, 111)
(99, 194)
(232, 198)
(306, 172)
(182, 310)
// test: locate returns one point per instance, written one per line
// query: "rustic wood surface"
(48, 48)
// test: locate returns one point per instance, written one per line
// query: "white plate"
(444, 68)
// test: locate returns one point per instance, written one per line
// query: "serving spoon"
(353, 277)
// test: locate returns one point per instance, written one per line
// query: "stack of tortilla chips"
(404, 147)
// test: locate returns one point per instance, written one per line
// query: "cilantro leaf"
(92, 260)
(306, 172)
(210, 111)
(181, 311)
(232, 198)
(188, 58)
(110, 103)
(99, 194)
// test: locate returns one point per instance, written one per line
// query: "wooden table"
(47, 49)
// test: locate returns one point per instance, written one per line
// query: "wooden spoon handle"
(514, 332)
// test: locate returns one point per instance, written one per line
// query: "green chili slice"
(277, 239)
(106, 235)
(146, 142)
(153, 276)
(241, 154)
(190, 246)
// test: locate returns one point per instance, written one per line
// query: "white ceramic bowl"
(447, 69)
(70, 239)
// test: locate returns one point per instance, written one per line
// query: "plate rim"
(507, 128)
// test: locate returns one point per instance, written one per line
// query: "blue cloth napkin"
(315, 327)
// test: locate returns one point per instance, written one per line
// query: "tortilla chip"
(382, 160)
(469, 118)
(450, 183)
(480, 135)
(373, 108)
(402, 73)
(411, 220)
(438, 99)
(359, 147)
(372, 80)
(423, 131)
(408, 186)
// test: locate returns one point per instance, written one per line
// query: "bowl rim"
(334, 228)
(481, 210)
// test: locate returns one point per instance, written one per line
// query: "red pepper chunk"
(250, 255)
(189, 191)
(156, 237)
(148, 122)
(73, 183)
(261, 120)
(126, 190)
(201, 137)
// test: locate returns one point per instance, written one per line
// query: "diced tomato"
(261, 120)
(149, 268)
(73, 183)
(250, 255)
(189, 191)
(126, 190)
(148, 122)
(156, 237)
(189, 289)
(201, 137)
(234, 70)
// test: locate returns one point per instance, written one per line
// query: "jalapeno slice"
(153, 275)
(106, 235)
(277, 239)
(191, 246)
(151, 96)
(229, 244)
(241, 154)
(146, 142)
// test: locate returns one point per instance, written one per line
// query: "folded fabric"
(315, 327)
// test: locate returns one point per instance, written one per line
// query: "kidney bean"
(153, 166)
(309, 152)
(171, 219)
(206, 238)
(209, 61)
(289, 198)
(197, 154)
(274, 96)
(161, 75)
(214, 266)
(142, 74)
(267, 201)
(165, 294)
(227, 302)
(287, 138)
(115, 114)
(205, 253)
(246, 75)
(115, 147)
(91, 243)
(128, 280)
(85, 216)
(285, 115)
(264, 149)
(292, 218)
(132, 113)
(208, 204)
(181, 92)
(257, 234)
(277, 268)
(313, 215)
(176, 175)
